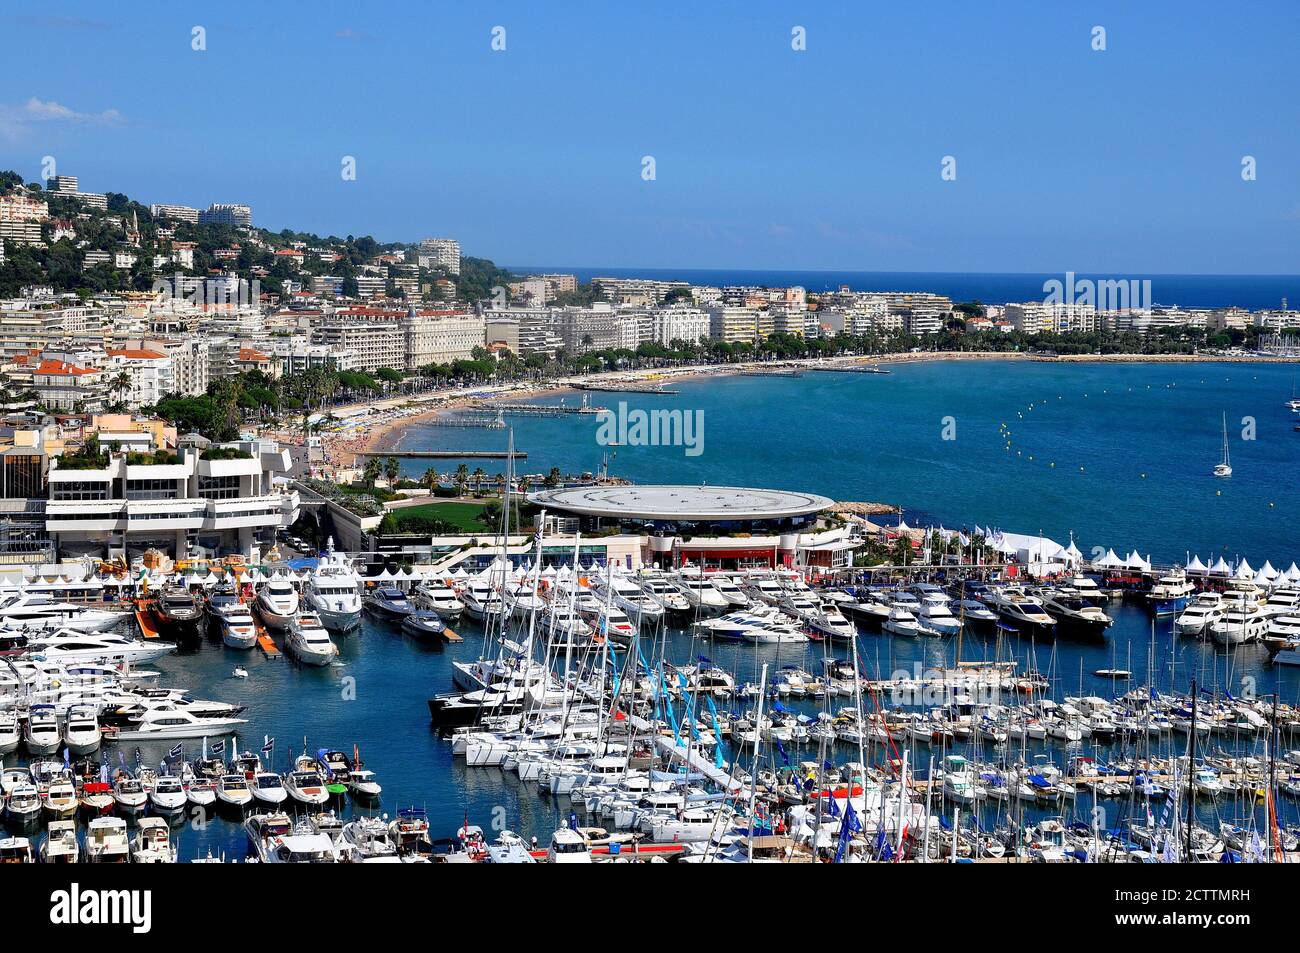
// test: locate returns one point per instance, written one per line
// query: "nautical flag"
(785, 756)
(268, 744)
(219, 746)
(834, 808)
(65, 757)
(176, 751)
(573, 821)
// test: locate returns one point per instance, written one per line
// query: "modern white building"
(440, 253)
(222, 500)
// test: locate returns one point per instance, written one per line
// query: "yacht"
(764, 588)
(610, 622)
(563, 624)
(669, 596)
(129, 796)
(107, 842)
(641, 607)
(1088, 589)
(169, 723)
(935, 615)
(333, 592)
(1196, 619)
(275, 840)
(41, 733)
(23, 806)
(1241, 622)
(763, 625)
(178, 612)
(68, 645)
(901, 622)
(1074, 614)
(81, 734)
(868, 608)
(36, 613)
(233, 791)
(305, 786)
(390, 603)
(424, 624)
(309, 641)
(167, 794)
(441, 598)
(10, 733)
(975, 613)
(1019, 609)
(268, 788)
(1283, 601)
(153, 842)
(481, 601)
(726, 587)
(701, 593)
(61, 845)
(277, 604)
(1224, 467)
(235, 621)
(1171, 594)
(363, 783)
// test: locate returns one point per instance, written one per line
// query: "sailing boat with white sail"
(1224, 469)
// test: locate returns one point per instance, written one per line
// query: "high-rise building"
(440, 253)
(227, 214)
(178, 213)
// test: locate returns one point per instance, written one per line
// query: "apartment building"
(678, 323)
(63, 385)
(21, 217)
(227, 214)
(177, 213)
(440, 337)
(1039, 317)
(139, 376)
(440, 253)
(735, 324)
(374, 340)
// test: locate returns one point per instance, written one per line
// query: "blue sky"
(1123, 161)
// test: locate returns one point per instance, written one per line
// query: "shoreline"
(397, 415)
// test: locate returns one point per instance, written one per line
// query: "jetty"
(442, 454)
(543, 410)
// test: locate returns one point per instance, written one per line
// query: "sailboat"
(1224, 469)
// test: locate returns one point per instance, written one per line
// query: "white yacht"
(305, 786)
(1197, 617)
(107, 841)
(701, 593)
(40, 613)
(68, 645)
(81, 733)
(153, 842)
(901, 622)
(10, 734)
(234, 791)
(726, 587)
(641, 607)
(61, 845)
(167, 794)
(333, 592)
(671, 597)
(563, 624)
(481, 600)
(936, 615)
(268, 788)
(41, 734)
(765, 588)
(277, 604)
(1283, 601)
(441, 598)
(1241, 622)
(1073, 613)
(309, 641)
(169, 723)
(238, 631)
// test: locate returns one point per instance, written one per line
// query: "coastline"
(386, 422)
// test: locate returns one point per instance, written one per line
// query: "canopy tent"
(1244, 571)
(1134, 560)
(1110, 561)
(1072, 555)
(1293, 574)
(1197, 566)
(1267, 570)
(1221, 568)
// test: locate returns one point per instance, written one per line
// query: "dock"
(442, 454)
(543, 410)
(450, 636)
(264, 640)
(626, 389)
(144, 618)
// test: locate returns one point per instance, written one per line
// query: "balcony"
(85, 516)
(153, 515)
(253, 511)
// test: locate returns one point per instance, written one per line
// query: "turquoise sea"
(1119, 454)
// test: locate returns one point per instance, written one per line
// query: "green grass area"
(465, 517)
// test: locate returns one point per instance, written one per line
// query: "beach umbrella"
(1196, 565)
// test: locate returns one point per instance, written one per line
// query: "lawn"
(467, 517)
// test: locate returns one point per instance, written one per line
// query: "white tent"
(1244, 571)
(1221, 568)
(1134, 560)
(1072, 554)
(1196, 565)
(903, 527)
(1110, 561)
(1262, 578)
(384, 576)
(1293, 574)
(1267, 571)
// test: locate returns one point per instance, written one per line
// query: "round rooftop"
(682, 502)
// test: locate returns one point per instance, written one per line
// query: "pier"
(542, 410)
(627, 388)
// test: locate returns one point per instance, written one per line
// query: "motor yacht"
(34, 613)
(1196, 619)
(235, 621)
(935, 615)
(481, 600)
(275, 840)
(868, 608)
(363, 783)
(23, 805)
(333, 592)
(268, 788)
(178, 613)
(1241, 623)
(901, 622)
(41, 733)
(1171, 594)
(277, 604)
(1021, 610)
(664, 592)
(1074, 615)
(129, 796)
(305, 785)
(167, 794)
(10, 732)
(61, 845)
(309, 641)
(107, 841)
(106, 648)
(81, 732)
(153, 842)
(641, 607)
(702, 594)
(234, 791)
(168, 723)
(389, 603)
(734, 595)
(441, 598)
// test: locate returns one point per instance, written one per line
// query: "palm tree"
(462, 479)
(431, 479)
(120, 385)
(478, 481)
(392, 469)
(372, 470)
(553, 478)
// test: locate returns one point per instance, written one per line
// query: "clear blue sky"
(1122, 161)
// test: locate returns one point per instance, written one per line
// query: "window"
(219, 488)
(152, 490)
(79, 490)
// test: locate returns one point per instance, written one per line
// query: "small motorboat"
(268, 788)
(167, 795)
(389, 602)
